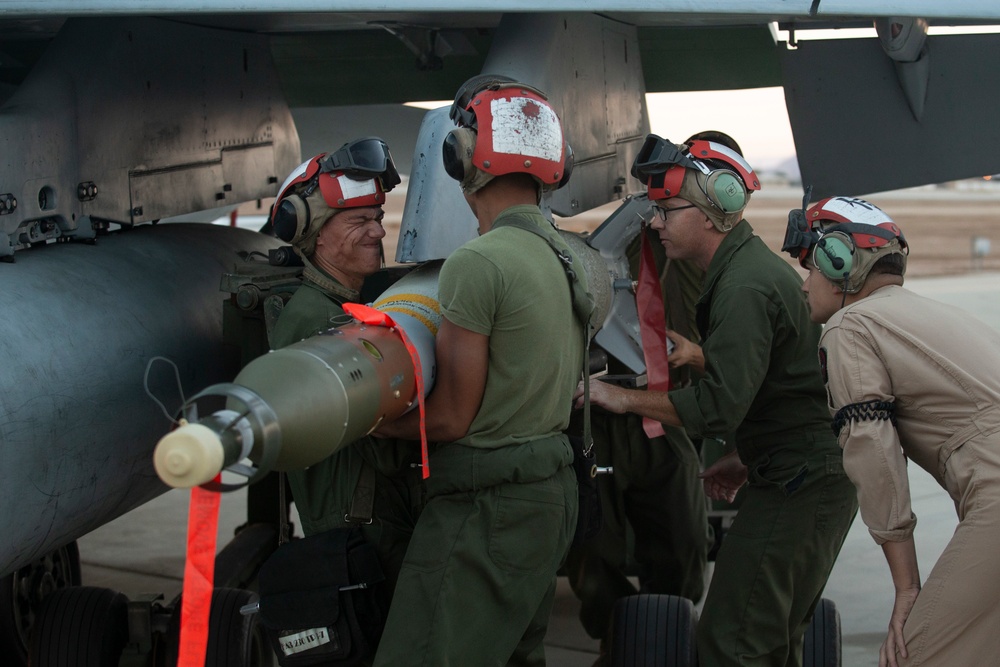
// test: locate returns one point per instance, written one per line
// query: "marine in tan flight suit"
(909, 378)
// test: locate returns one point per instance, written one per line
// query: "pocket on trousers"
(838, 498)
(784, 476)
(529, 528)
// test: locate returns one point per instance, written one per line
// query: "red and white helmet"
(505, 127)
(718, 179)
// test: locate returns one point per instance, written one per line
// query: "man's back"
(938, 364)
(509, 285)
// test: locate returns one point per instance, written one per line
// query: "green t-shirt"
(509, 285)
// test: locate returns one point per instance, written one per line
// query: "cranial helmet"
(709, 174)
(843, 237)
(505, 127)
(358, 174)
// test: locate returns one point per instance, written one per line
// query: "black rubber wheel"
(234, 640)
(821, 643)
(653, 631)
(21, 595)
(80, 626)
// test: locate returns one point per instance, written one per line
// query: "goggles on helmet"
(656, 156)
(799, 236)
(660, 164)
(363, 159)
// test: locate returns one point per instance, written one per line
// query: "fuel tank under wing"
(78, 325)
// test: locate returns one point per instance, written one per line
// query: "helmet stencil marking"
(353, 189)
(521, 126)
(856, 210)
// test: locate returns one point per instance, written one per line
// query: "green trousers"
(478, 581)
(775, 560)
(656, 492)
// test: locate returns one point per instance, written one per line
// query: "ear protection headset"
(505, 127)
(833, 255)
(842, 237)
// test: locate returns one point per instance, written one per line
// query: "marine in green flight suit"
(761, 379)
(334, 222)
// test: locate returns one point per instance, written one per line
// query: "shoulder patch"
(822, 365)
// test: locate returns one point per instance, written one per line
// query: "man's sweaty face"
(349, 244)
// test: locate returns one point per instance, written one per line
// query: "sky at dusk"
(755, 118)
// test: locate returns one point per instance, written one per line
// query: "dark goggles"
(799, 236)
(363, 159)
(656, 156)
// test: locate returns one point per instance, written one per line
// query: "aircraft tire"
(234, 640)
(21, 595)
(821, 645)
(653, 631)
(80, 626)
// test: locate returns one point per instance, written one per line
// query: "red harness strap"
(653, 329)
(373, 317)
(199, 575)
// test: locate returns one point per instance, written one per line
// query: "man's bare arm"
(462, 363)
(653, 404)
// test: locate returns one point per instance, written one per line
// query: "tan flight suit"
(940, 370)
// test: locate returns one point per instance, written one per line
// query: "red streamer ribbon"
(653, 329)
(371, 316)
(199, 575)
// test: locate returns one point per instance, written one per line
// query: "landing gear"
(821, 645)
(653, 631)
(234, 640)
(80, 626)
(21, 595)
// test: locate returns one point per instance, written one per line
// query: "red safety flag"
(653, 329)
(199, 576)
(371, 316)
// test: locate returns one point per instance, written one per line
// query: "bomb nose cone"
(189, 456)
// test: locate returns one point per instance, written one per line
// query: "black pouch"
(322, 599)
(589, 519)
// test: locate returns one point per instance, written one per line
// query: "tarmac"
(143, 551)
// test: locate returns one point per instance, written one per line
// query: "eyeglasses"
(661, 213)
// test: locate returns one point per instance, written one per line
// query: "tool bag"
(323, 600)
